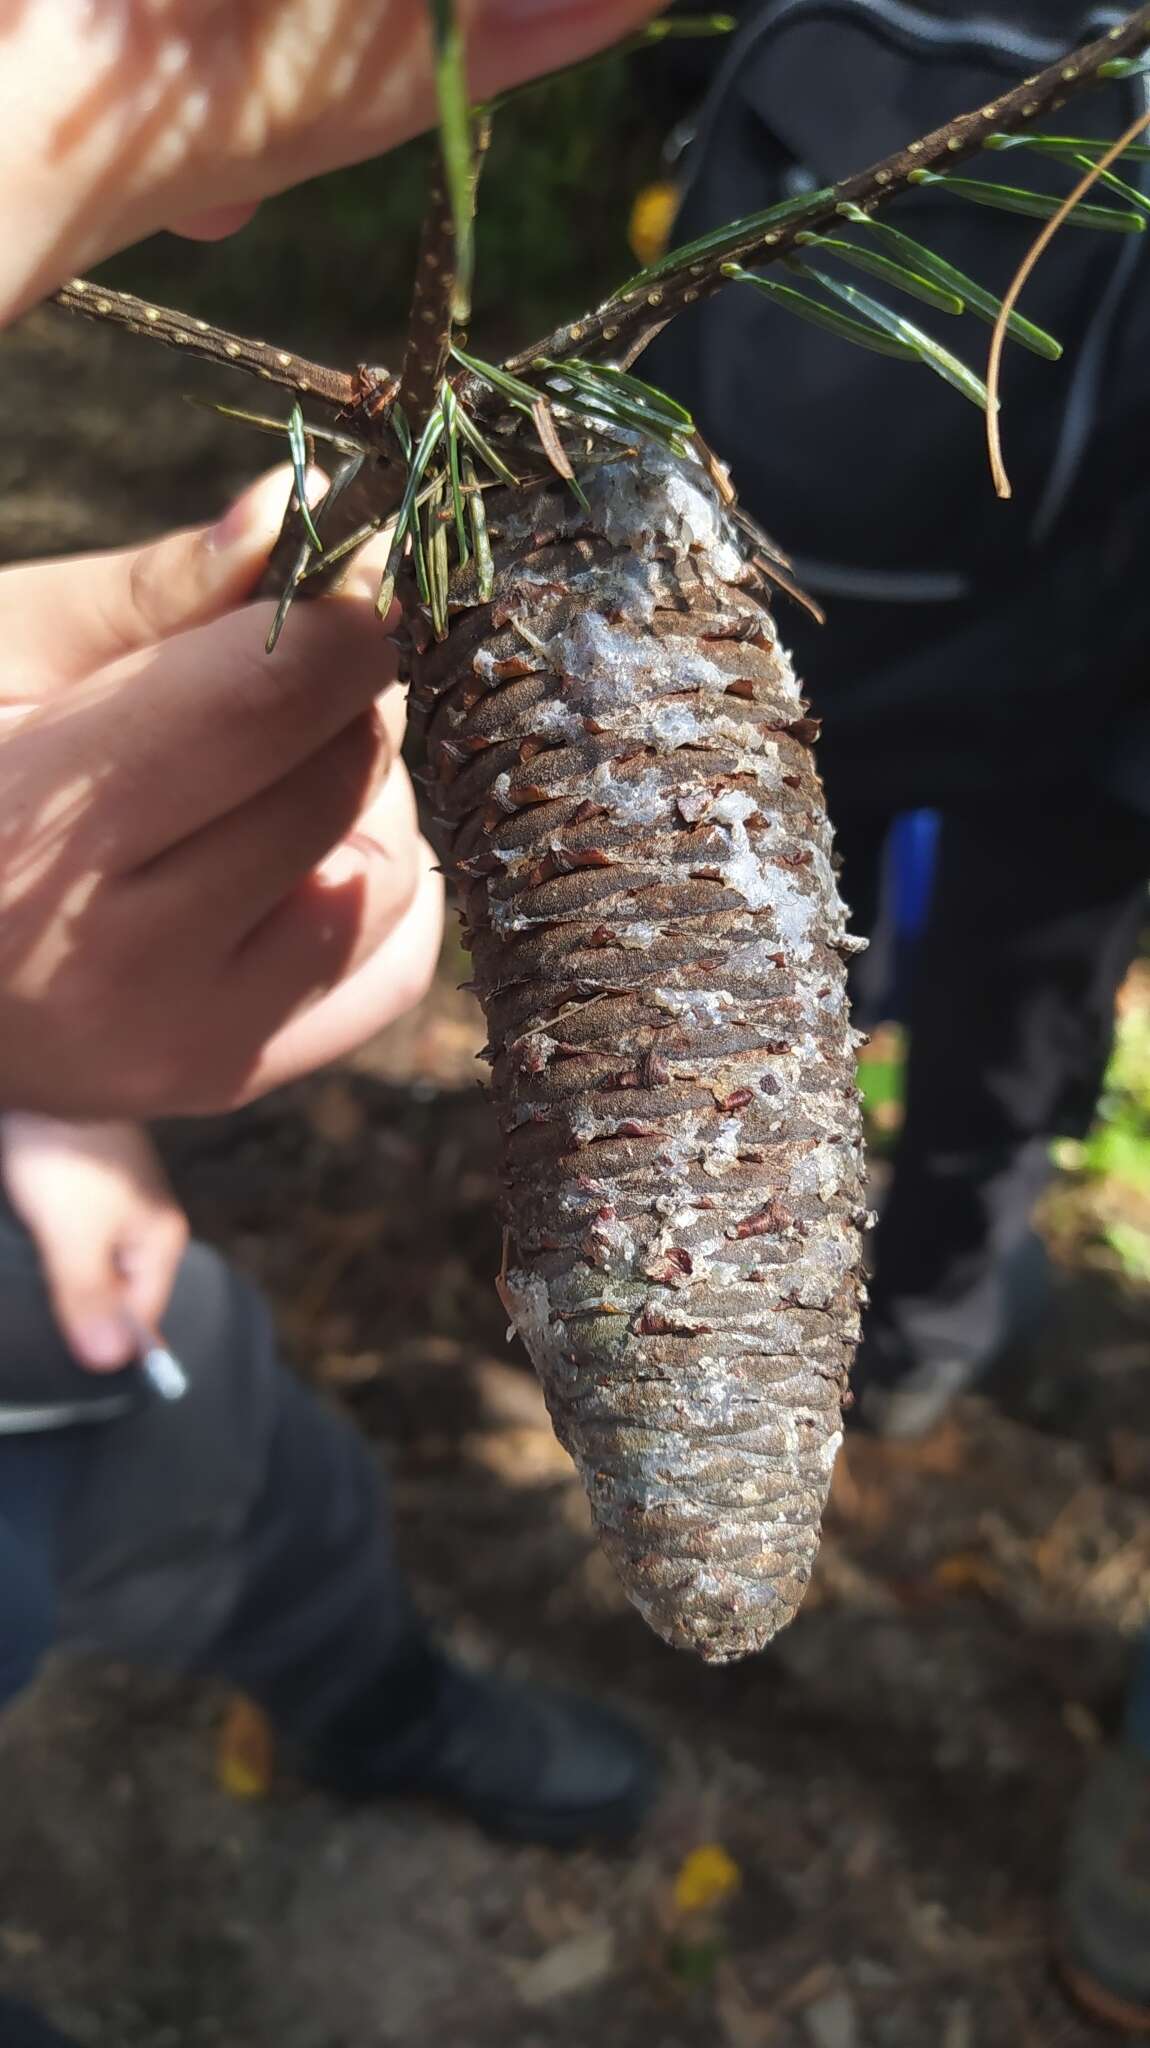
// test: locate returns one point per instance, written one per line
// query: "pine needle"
(455, 142)
(1041, 242)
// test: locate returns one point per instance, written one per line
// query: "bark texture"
(626, 794)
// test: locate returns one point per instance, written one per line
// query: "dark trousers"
(243, 1530)
(1034, 917)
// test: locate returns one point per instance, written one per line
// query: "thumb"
(87, 1294)
(60, 620)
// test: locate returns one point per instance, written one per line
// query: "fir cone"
(625, 792)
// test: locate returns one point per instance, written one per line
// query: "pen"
(160, 1367)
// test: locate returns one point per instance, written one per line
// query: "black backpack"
(955, 622)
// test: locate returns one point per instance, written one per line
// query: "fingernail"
(345, 863)
(234, 527)
(104, 1342)
(216, 222)
(247, 518)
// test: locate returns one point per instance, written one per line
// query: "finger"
(382, 91)
(149, 1262)
(236, 869)
(209, 721)
(515, 40)
(60, 620)
(344, 910)
(86, 1291)
(392, 979)
(217, 222)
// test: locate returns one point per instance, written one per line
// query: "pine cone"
(626, 795)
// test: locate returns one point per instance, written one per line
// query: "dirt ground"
(890, 1781)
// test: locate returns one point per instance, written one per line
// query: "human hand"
(119, 120)
(106, 1224)
(211, 875)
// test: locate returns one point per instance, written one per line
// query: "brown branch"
(1041, 241)
(429, 322)
(622, 325)
(429, 326)
(199, 338)
(627, 321)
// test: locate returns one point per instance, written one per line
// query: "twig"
(626, 322)
(429, 329)
(429, 322)
(1041, 242)
(199, 338)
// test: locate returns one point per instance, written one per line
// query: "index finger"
(62, 619)
(161, 745)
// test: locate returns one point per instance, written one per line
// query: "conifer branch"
(433, 300)
(368, 491)
(623, 325)
(430, 320)
(215, 344)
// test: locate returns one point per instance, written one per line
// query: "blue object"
(909, 863)
(912, 847)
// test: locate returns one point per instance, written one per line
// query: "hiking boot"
(1104, 1948)
(911, 1407)
(901, 1400)
(526, 1763)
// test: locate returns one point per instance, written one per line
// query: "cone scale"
(626, 796)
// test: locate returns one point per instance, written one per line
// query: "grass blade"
(792, 301)
(483, 448)
(419, 557)
(931, 352)
(1072, 146)
(601, 393)
(631, 387)
(297, 442)
(347, 546)
(731, 237)
(450, 406)
(401, 430)
(385, 595)
(977, 300)
(1124, 67)
(521, 395)
(345, 473)
(269, 424)
(885, 267)
(455, 143)
(438, 569)
(484, 566)
(405, 519)
(1035, 205)
(1117, 184)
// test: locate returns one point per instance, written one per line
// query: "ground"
(888, 1785)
